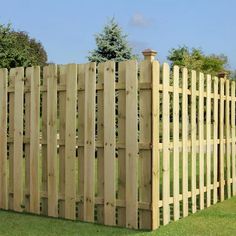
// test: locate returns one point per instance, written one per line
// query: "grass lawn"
(219, 219)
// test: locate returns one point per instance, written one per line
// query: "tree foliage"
(111, 44)
(18, 49)
(195, 59)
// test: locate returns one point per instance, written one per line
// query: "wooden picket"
(116, 143)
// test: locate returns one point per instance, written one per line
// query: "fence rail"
(126, 144)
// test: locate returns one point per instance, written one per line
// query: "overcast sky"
(66, 28)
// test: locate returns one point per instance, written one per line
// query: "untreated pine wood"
(131, 142)
(121, 215)
(193, 140)
(227, 131)
(109, 143)
(18, 138)
(208, 139)
(52, 140)
(100, 139)
(166, 140)
(81, 123)
(184, 141)
(215, 138)
(155, 142)
(176, 143)
(145, 136)
(34, 74)
(89, 139)
(201, 139)
(70, 141)
(3, 139)
(233, 137)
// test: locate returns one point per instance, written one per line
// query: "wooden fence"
(118, 144)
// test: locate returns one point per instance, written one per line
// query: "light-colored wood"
(100, 138)
(215, 145)
(227, 132)
(233, 136)
(131, 140)
(175, 143)
(193, 140)
(18, 139)
(44, 184)
(166, 140)
(208, 139)
(52, 140)
(89, 141)
(121, 215)
(3, 139)
(221, 124)
(109, 143)
(155, 142)
(70, 141)
(184, 140)
(201, 139)
(81, 116)
(145, 136)
(34, 74)
(62, 125)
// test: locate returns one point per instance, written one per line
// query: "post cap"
(149, 54)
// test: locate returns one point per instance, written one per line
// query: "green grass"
(219, 219)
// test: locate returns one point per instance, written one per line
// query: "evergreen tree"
(111, 45)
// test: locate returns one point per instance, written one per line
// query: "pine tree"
(111, 44)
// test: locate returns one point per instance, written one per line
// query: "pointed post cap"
(149, 54)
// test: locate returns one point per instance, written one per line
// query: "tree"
(18, 49)
(111, 44)
(195, 59)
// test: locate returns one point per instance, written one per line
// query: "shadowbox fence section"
(118, 144)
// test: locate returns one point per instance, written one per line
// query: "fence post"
(149, 55)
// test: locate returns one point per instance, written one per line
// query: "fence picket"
(3, 139)
(176, 142)
(131, 142)
(89, 141)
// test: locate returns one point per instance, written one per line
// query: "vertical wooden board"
(176, 142)
(11, 135)
(155, 144)
(109, 143)
(70, 141)
(145, 137)
(208, 140)
(185, 142)
(228, 148)
(44, 184)
(34, 74)
(62, 126)
(3, 139)
(89, 141)
(121, 217)
(100, 142)
(193, 140)
(131, 141)
(18, 138)
(52, 140)
(215, 138)
(166, 143)
(233, 137)
(201, 139)
(221, 124)
(81, 116)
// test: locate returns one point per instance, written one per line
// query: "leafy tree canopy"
(195, 59)
(111, 44)
(18, 49)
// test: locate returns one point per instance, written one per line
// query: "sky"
(66, 28)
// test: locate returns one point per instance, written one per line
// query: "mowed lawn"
(219, 219)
